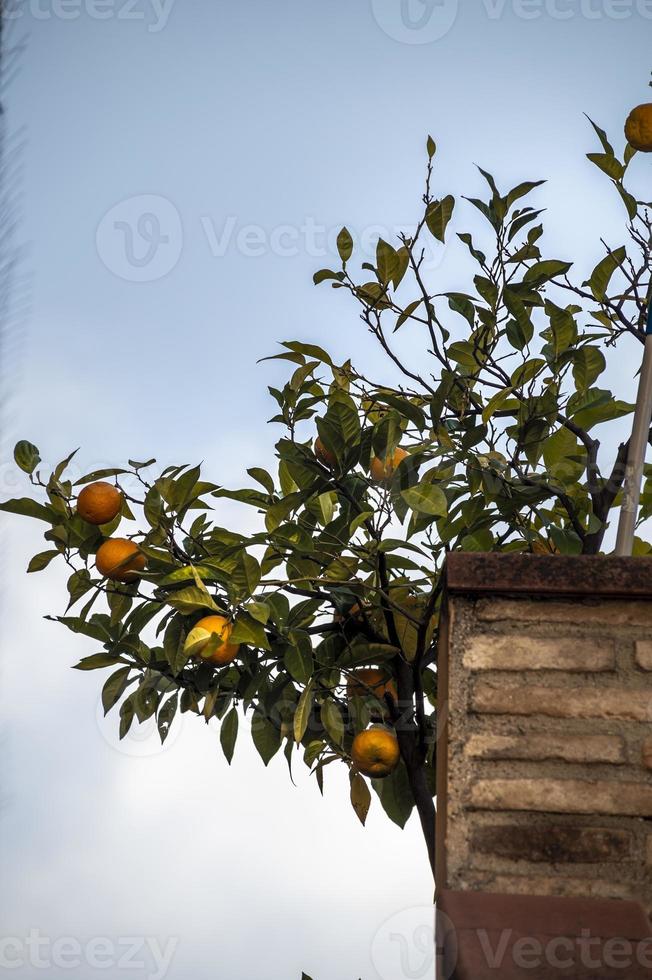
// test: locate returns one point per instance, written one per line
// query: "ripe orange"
(99, 503)
(201, 634)
(382, 470)
(638, 128)
(117, 559)
(324, 455)
(375, 752)
(366, 681)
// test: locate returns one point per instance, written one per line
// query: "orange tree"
(321, 626)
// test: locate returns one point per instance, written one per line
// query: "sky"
(185, 169)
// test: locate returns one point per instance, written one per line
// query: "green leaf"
(360, 653)
(97, 661)
(323, 275)
(245, 576)
(629, 201)
(431, 147)
(345, 245)
(27, 507)
(267, 738)
(99, 475)
(438, 216)
(406, 313)
(522, 190)
(386, 260)
(260, 611)
(153, 508)
(566, 541)
(331, 718)
(63, 465)
(166, 716)
(541, 272)
(525, 372)
(27, 456)
(608, 163)
(115, 688)
(246, 629)
(563, 327)
(229, 734)
(263, 477)
(298, 660)
(395, 795)
(41, 561)
(604, 270)
(309, 350)
(426, 498)
(191, 600)
(78, 585)
(97, 628)
(302, 713)
(588, 365)
(461, 303)
(495, 403)
(360, 797)
(602, 136)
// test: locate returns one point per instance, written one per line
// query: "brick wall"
(545, 751)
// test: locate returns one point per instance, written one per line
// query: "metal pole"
(637, 446)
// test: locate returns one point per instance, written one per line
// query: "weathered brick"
(511, 652)
(528, 884)
(646, 753)
(567, 748)
(644, 654)
(608, 612)
(562, 702)
(552, 844)
(563, 796)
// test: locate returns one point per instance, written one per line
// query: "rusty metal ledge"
(549, 575)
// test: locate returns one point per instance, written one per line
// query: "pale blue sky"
(288, 117)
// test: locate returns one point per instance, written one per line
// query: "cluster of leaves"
(500, 422)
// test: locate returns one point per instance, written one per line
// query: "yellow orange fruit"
(99, 503)
(324, 455)
(375, 752)
(638, 128)
(201, 635)
(366, 681)
(118, 559)
(382, 470)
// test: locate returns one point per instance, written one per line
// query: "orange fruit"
(99, 503)
(117, 559)
(202, 633)
(375, 752)
(382, 470)
(638, 128)
(324, 455)
(366, 681)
